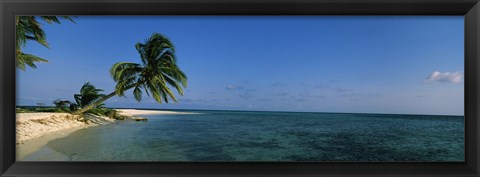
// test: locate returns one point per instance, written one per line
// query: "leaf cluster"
(28, 28)
(156, 75)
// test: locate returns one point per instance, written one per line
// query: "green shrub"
(111, 113)
(40, 109)
(104, 112)
(97, 111)
(22, 110)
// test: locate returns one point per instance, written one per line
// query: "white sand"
(33, 149)
(35, 125)
(133, 112)
(34, 130)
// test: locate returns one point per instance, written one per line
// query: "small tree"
(62, 104)
(88, 94)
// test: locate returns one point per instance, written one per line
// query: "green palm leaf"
(24, 60)
(88, 95)
(157, 74)
(28, 28)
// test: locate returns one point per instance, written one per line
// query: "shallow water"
(270, 136)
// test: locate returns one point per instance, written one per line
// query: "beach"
(34, 125)
(35, 130)
(136, 112)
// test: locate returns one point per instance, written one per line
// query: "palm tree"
(28, 28)
(88, 94)
(156, 75)
(61, 103)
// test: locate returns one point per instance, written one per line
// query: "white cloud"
(437, 76)
(339, 89)
(278, 84)
(246, 95)
(280, 94)
(189, 100)
(233, 87)
(29, 98)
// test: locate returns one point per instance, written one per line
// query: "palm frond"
(174, 84)
(88, 95)
(28, 28)
(121, 70)
(137, 93)
(156, 76)
(154, 91)
(54, 19)
(24, 60)
(166, 91)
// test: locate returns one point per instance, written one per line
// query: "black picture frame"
(470, 9)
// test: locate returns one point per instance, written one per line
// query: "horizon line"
(242, 110)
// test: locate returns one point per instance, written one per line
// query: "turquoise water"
(270, 136)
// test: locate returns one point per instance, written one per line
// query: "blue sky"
(374, 64)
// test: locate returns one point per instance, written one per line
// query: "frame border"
(470, 9)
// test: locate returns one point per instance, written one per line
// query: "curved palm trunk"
(90, 106)
(100, 101)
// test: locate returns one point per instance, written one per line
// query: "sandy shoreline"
(135, 112)
(34, 125)
(35, 130)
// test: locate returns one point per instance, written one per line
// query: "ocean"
(270, 136)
